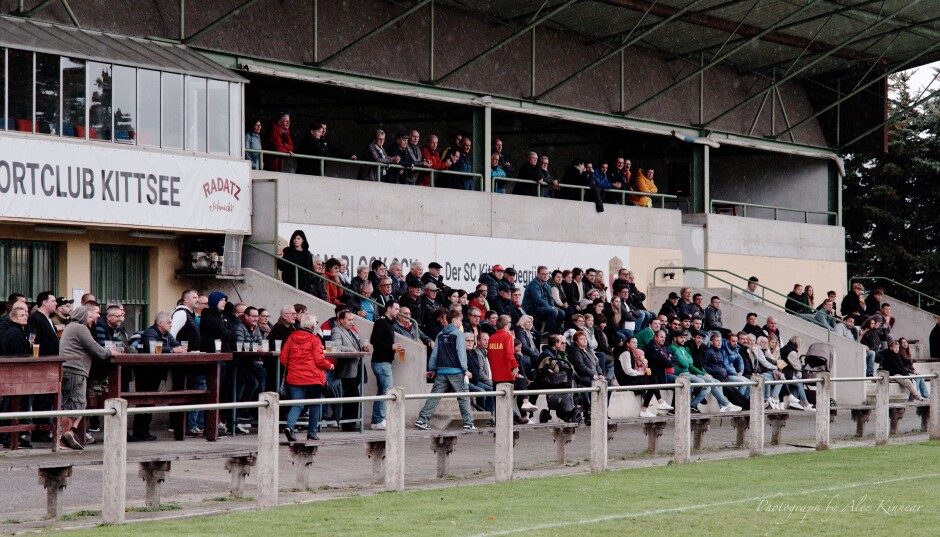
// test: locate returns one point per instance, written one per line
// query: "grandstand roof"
(803, 37)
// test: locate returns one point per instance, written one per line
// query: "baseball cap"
(498, 268)
(434, 265)
(511, 271)
(61, 301)
(431, 287)
(673, 296)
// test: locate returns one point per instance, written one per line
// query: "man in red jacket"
(278, 140)
(503, 365)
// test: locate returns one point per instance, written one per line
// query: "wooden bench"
(54, 475)
(861, 414)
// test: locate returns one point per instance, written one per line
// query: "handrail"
(297, 268)
(745, 205)
(357, 162)
(661, 197)
(708, 272)
(899, 284)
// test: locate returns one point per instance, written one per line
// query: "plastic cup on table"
(153, 347)
(184, 345)
(277, 345)
(239, 346)
(218, 345)
(35, 350)
(265, 345)
(159, 348)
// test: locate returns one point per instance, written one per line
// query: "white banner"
(464, 258)
(109, 184)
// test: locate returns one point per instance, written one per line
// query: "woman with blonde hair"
(766, 366)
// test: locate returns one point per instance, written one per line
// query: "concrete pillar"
(268, 450)
(395, 440)
(599, 427)
(503, 456)
(114, 475)
(823, 389)
(756, 429)
(376, 452)
(882, 421)
(54, 480)
(933, 426)
(683, 435)
(154, 474)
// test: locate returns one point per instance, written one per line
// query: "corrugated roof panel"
(19, 33)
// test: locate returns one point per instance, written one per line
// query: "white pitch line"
(652, 512)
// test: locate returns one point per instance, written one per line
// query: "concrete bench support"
(699, 428)
(924, 413)
(562, 437)
(895, 415)
(301, 456)
(777, 423)
(240, 468)
(376, 451)
(741, 424)
(860, 416)
(154, 474)
(653, 431)
(443, 446)
(54, 480)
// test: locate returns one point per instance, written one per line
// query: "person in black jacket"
(298, 253)
(40, 324)
(15, 340)
(384, 349)
(216, 325)
(315, 144)
(892, 363)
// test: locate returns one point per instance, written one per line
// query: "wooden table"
(181, 366)
(275, 355)
(27, 375)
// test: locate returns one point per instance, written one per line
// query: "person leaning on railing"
(643, 182)
(375, 152)
(316, 145)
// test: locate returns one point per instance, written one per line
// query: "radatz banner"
(464, 258)
(108, 184)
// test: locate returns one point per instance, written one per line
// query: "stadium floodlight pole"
(791, 75)
(722, 57)
(861, 87)
(623, 46)
(373, 32)
(512, 37)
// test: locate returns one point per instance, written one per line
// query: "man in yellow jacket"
(644, 183)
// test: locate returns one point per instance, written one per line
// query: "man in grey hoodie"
(448, 368)
(78, 340)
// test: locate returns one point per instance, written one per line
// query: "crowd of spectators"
(414, 160)
(563, 328)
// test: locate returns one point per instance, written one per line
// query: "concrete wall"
(261, 290)
(912, 322)
(772, 179)
(850, 356)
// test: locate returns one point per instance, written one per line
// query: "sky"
(923, 75)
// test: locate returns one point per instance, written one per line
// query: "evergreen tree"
(891, 209)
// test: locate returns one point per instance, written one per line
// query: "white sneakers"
(647, 414)
(664, 406)
(774, 404)
(529, 407)
(807, 408)
(793, 399)
(380, 426)
(729, 408)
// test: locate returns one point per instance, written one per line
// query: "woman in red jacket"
(334, 291)
(302, 355)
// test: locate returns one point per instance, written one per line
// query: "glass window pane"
(99, 109)
(196, 114)
(47, 93)
(218, 117)
(172, 110)
(20, 87)
(148, 107)
(3, 93)
(125, 104)
(235, 117)
(73, 97)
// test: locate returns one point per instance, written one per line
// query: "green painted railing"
(298, 270)
(774, 208)
(921, 297)
(377, 165)
(764, 290)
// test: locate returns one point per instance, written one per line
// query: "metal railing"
(920, 295)
(378, 166)
(116, 412)
(763, 296)
(378, 308)
(774, 208)
(583, 189)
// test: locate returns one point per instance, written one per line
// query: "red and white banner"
(110, 184)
